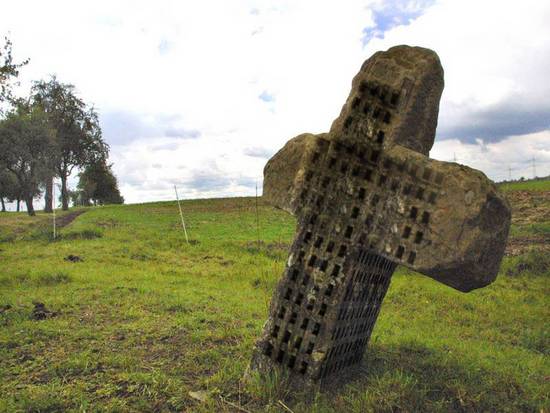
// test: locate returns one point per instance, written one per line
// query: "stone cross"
(368, 198)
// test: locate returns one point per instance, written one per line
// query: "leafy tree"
(98, 185)
(78, 140)
(9, 188)
(8, 70)
(26, 140)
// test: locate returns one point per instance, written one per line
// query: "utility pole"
(509, 173)
(454, 157)
(534, 168)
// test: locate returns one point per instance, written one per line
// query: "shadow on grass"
(414, 377)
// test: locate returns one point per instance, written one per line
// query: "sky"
(200, 94)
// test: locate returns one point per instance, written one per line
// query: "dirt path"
(66, 219)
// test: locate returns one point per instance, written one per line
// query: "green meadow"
(119, 313)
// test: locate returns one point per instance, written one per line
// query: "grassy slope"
(532, 185)
(146, 318)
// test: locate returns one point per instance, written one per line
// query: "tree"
(26, 141)
(98, 185)
(78, 140)
(8, 70)
(9, 188)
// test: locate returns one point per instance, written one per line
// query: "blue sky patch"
(266, 96)
(393, 14)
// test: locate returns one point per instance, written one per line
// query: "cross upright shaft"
(367, 198)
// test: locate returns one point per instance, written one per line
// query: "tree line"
(49, 134)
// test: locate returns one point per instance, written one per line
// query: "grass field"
(531, 185)
(135, 319)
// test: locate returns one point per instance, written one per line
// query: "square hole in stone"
(315, 331)
(368, 174)
(342, 250)
(326, 182)
(330, 246)
(313, 219)
(306, 279)
(374, 90)
(363, 87)
(294, 274)
(382, 180)
(356, 171)
(275, 331)
(323, 310)
(303, 368)
(414, 212)
(347, 122)
(328, 291)
(374, 156)
(412, 257)
(380, 136)
(318, 242)
(418, 237)
(319, 201)
(332, 162)
(355, 103)
(324, 265)
(362, 193)
(375, 199)
(420, 193)
(439, 178)
(349, 231)
(299, 299)
(335, 270)
(344, 168)
(282, 312)
(268, 349)
(432, 197)
(394, 98)
(305, 322)
(291, 361)
(376, 113)
(366, 108)
(400, 251)
(280, 356)
(387, 117)
(355, 212)
(286, 336)
(298, 342)
(425, 217)
(395, 185)
(407, 189)
(406, 232)
(312, 260)
(307, 237)
(288, 293)
(315, 157)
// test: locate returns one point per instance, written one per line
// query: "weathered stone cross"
(368, 198)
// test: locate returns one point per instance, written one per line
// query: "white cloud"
(197, 69)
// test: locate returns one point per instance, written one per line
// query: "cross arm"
(446, 220)
(284, 173)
